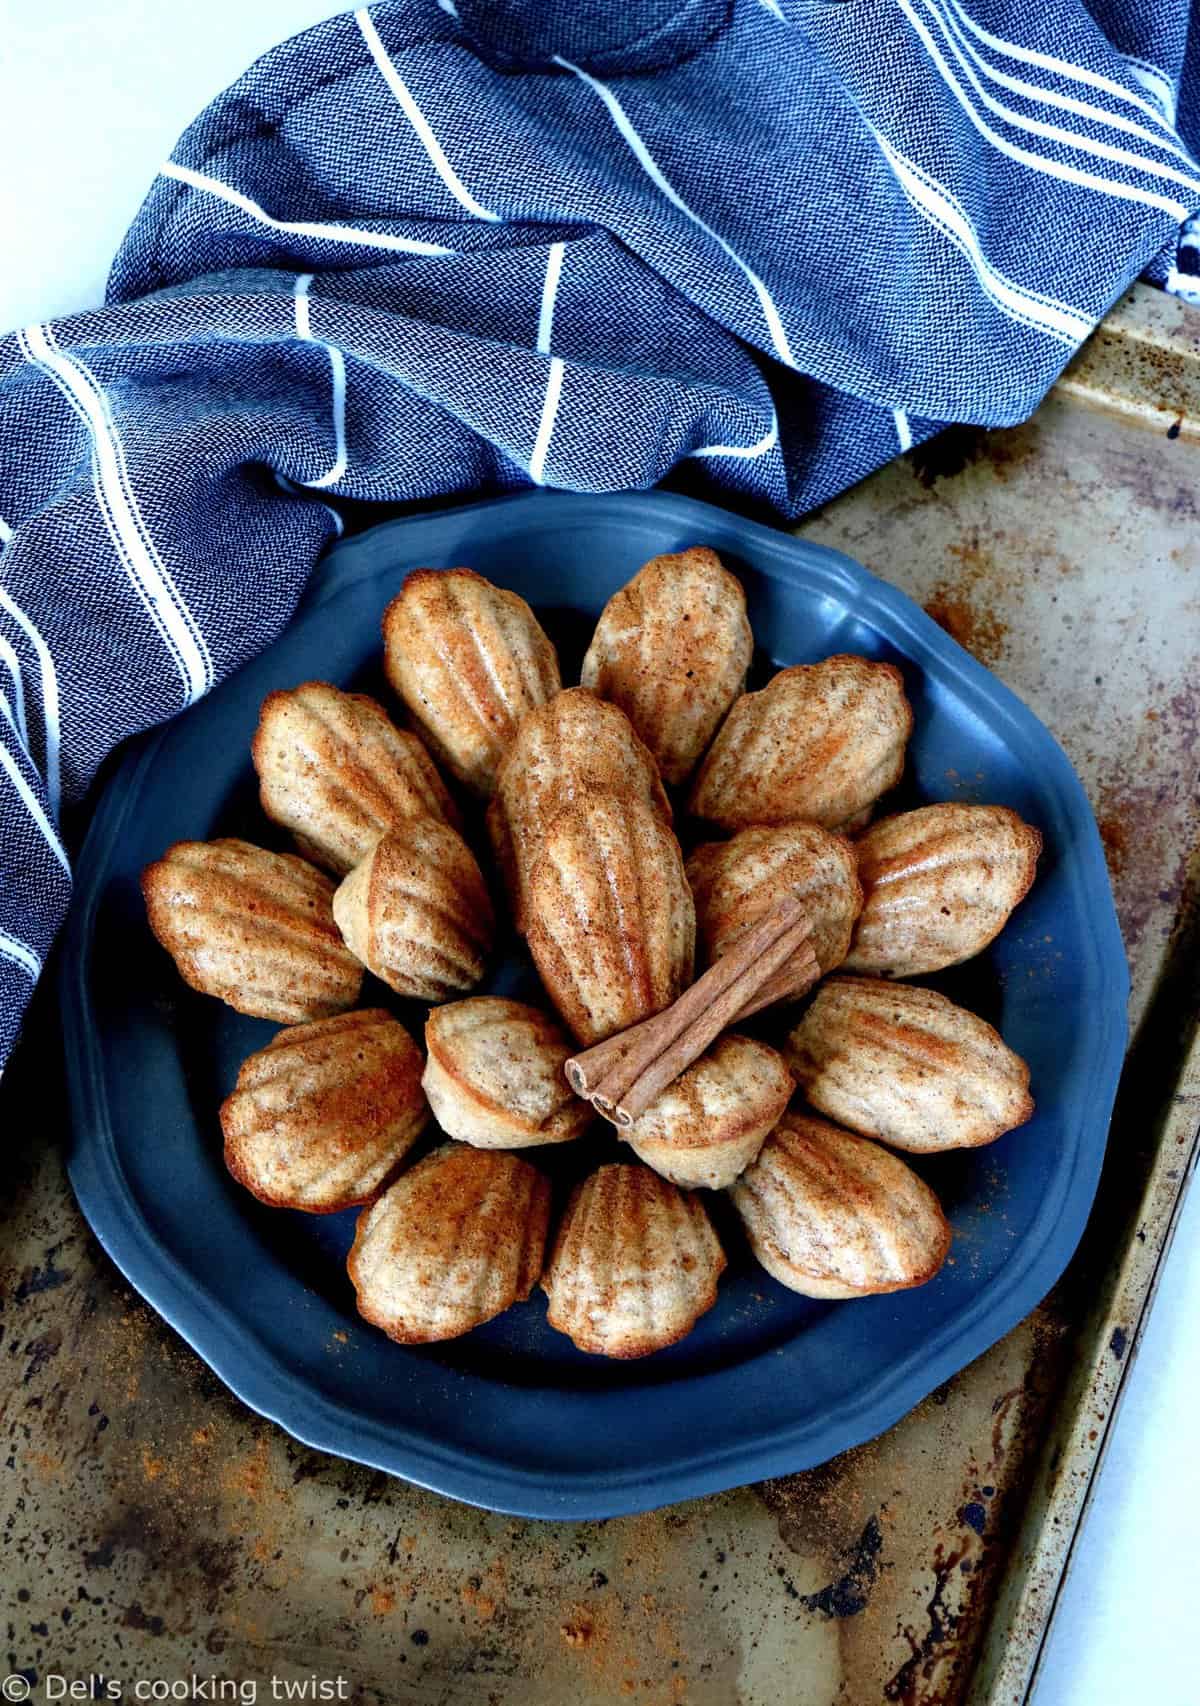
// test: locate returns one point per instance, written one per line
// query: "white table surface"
(92, 99)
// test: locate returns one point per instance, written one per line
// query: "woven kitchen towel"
(433, 249)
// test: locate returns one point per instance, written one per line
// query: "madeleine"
(469, 660)
(255, 929)
(711, 1122)
(335, 770)
(570, 749)
(907, 1066)
(417, 913)
(833, 1215)
(324, 1113)
(612, 928)
(737, 882)
(672, 649)
(454, 1242)
(494, 1075)
(634, 1266)
(821, 742)
(940, 883)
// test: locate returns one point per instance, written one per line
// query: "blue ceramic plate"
(512, 1416)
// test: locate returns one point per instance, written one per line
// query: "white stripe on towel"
(337, 366)
(122, 514)
(50, 710)
(301, 227)
(417, 119)
(651, 168)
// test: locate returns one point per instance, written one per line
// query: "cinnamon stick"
(757, 968)
(789, 984)
(647, 1041)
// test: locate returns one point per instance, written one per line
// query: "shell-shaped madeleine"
(417, 912)
(494, 1075)
(829, 1214)
(335, 770)
(321, 1116)
(672, 649)
(571, 748)
(710, 1123)
(820, 742)
(454, 1242)
(469, 660)
(737, 882)
(940, 883)
(634, 1265)
(254, 928)
(907, 1066)
(612, 928)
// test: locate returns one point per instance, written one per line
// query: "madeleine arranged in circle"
(907, 1066)
(820, 742)
(469, 660)
(573, 747)
(494, 1075)
(455, 1241)
(710, 1123)
(737, 882)
(634, 1266)
(940, 884)
(612, 928)
(325, 1111)
(672, 648)
(829, 1214)
(417, 912)
(334, 769)
(255, 929)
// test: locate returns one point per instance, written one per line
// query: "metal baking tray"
(155, 1528)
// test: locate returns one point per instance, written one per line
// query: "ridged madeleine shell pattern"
(821, 742)
(832, 1215)
(612, 928)
(737, 882)
(573, 747)
(494, 1076)
(907, 1066)
(469, 660)
(417, 913)
(322, 1115)
(634, 1266)
(335, 770)
(253, 928)
(454, 1242)
(672, 649)
(710, 1123)
(940, 884)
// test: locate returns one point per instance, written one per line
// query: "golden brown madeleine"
(321, 1116)
(907, 1066)
(634, 1265)
(819, 743)
(253, 928)
(494, 1076)
(336, 771)
(612, 928)
(940, 883)
(568, 750)
(417, 912)
(672, 649)
(469, 660)
(454, 1242)
(710, 1123)
(829, 1214)
(737, 882)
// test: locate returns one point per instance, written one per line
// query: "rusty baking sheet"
(153, 1528)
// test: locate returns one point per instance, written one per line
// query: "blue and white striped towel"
(434, 249)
